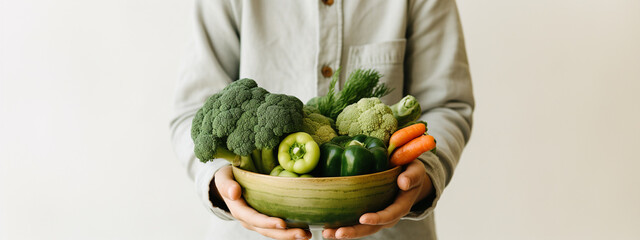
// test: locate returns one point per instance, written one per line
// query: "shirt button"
(326, 71)
(327, 2)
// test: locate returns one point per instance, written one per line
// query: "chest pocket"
(387, 58)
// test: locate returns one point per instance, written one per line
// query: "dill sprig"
(360, 84)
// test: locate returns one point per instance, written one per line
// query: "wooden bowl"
(326, 201)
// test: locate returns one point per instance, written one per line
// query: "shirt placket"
(329, 42)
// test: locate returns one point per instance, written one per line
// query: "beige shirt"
(292, 46)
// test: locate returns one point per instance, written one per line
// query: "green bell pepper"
(298, 153)
(350, 156)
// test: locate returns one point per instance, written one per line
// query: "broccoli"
(369, 116)
(219, 117)
(317, 125)
(279, 115)
(242, 119)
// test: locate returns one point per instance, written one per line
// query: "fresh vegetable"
(349, 156)
(243, 117)
(243, 162)
(278, 116)
(269, 160)
(414, 122)
(406, 110)
(298, 153)
(264, 160)
(370, 117)
(412, 150)
(317, 125)
(405, 135)
(314, 102)
(360, 84)
(281, 172)
(230, 112)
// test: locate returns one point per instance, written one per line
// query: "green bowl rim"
(317, 178)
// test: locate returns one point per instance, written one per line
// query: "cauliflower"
(317, 125)
(369, 116)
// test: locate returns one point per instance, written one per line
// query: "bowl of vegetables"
(324, 163)
(326, 201)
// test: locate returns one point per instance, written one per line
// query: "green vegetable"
(313, 102)
(243, 117)
(298, 153)
(243, 162)
(281, 172)
(360, 84)
(278, 116)
(406, 110)
(350, 156)
(370, 117)
(264, 160)
(317, 125)
(269, 160)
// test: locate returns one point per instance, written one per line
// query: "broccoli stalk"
(244, 162)
(269, 160)
(264, 160)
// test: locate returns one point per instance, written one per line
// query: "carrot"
(412, 150)
(405, 135)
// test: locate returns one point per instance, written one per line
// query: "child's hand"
(414, 186)
(272, 227)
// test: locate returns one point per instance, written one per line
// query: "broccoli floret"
(197, 125)
(279, 115)
(317, 125)
(242, 140)
(205, 146)
(229, 106)
(201, 131)
(368, 116)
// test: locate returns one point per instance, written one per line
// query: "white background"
(85, 96)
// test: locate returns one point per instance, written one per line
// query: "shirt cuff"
(203, 180)
(436, 172)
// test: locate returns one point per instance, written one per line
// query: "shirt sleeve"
(437, 73)
(211, 63)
